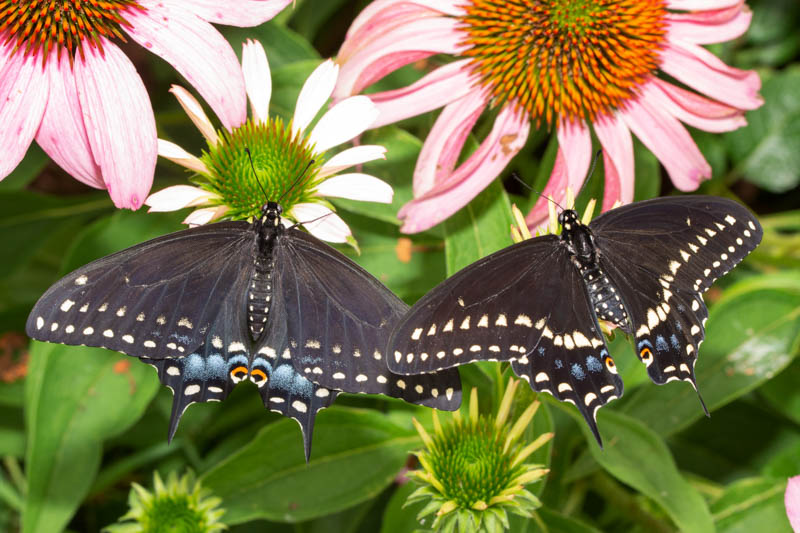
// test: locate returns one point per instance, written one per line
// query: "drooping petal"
(508, 136)
(119, 123)
(197, 51)
(700, 5)
(442, 86)
(243, 13)
(666, 137)
(445, 141)
(62, 134)
(346, 120)
(196, 114)
(691, 108)
(615, 137)
(351, 157)
(176, 154)
(430, 35)
(23, 95)
(315, 92)
(703, 71)
(321, 222)
(708, 27)
(792, 502)
(357, 186)
(198, 217)
(257, 79)
(178, 197)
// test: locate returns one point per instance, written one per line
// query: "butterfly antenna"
(296, 180)
(516, 177)
(594, 164)
(250, 157)
(311, 221)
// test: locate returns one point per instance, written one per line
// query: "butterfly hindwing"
(339, 319)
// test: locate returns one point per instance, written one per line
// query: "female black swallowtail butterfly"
(642, 267)
(214, 305)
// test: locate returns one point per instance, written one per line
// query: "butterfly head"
(271, 214)
(569, 219)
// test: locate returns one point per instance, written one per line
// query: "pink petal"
(23, 95)
(198, 217)
(700, 69)
(315, 92)
(669, 141)
(430, 35)
(257, 79)
(707, 27)
(243, 13)
(570, 168)
(119, 123)
(178, 155)
(437, 89)
(792, 502)
(351, 157)
(508, 136)
(321, 222)
(62, 134)
(701, 5)
(692, 108)
(615, 137)
(344, 121)
(445, 141)
(197, 51)
(356, 186)
(177, 197)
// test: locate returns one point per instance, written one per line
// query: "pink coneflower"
(66, 83)
(578, 66)
(792, 502)
(293, 162)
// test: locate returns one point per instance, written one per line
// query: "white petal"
(196, 113)
(315, 92)
(346, 120)
(357, 187)
(176, 154)
(177, 197)
(205, 215)
(321, 222)
(350, 157)
(257, 80)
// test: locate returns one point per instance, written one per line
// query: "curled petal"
(357, 186)
(176, 154)
(615, 137)
(351, 157)
(187, 42)
(119, 123)
(243, 13)
(444, 85)
(508, 135)
(321, 222)
(792, 502)
(691, 108)
(346, 120)
(666, 137)
(196, 113)
(257, 79)
(178, 197)
(315, 92)
(708, 27)
(445, 141)
(198, 217)
(23, 95)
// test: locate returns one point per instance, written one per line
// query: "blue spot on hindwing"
(541, 350)
(283, 377)
(593, 364)
(642, 343)
(194, 368)
(237, 360)
(661, 344)
(577, 371)
(215, 367)
(558, 363)
(302, 387)
(673, 340)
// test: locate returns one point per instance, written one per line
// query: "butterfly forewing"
(339, 319)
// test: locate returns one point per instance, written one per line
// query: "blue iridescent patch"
(558, 363)
(593, 364)
(661, 344)
(577, 371)
(673, 340)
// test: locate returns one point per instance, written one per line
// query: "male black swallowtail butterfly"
(642, 266)
(214, 305)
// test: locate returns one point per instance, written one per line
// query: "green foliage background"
(84, 423)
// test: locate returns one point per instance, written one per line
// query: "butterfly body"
(641, 267)
(212, 306)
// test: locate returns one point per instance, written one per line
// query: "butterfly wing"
(155, 300)
(662, 254)
(525, 303)
(339, 319)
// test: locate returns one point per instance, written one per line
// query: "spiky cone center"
(563, 60)
(67, 26)
(286, 168)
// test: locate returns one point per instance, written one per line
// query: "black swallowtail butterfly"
(642, 266)
(214, 305)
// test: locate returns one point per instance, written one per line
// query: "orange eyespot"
(609, 362)
(259, 374)
(239, 372)
(646, 353)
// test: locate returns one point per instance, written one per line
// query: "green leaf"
(752, 333)
(782, 392)
(483, 226)
(76, 397)
(399, 517)
(283, 46)
(32, 164)
(549, 521)
(765, 151)
(356, 455)
(754, 504)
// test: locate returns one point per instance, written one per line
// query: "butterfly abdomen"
(604, 296)
(259, 296)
